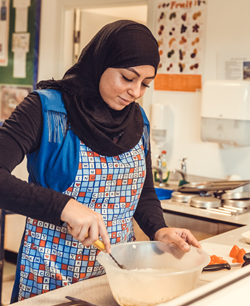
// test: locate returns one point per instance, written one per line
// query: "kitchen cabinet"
(15, 223)
(201, 228)
(14, 228)
(139, 234)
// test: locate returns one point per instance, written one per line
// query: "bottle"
(164, 161)
(165, 172)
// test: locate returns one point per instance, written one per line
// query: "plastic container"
(157, 272)
(163, 194)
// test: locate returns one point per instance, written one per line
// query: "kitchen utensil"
(198, 184)
(235, 195)
(79, 302)
(182, 197)
(246, 258)
(220, 250)
(157, 272)
(205, 202)
(100, 246)
(224, 266)
(237, 203)
(228, 266)
(212, 186)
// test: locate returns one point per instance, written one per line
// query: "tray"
(212, 186)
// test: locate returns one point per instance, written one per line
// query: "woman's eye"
(131, 80)
(126, 79)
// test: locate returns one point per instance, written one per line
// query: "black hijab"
(121, 44)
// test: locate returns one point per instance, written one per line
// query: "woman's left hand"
(179, 236)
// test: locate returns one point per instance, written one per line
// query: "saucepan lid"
(182, 197)
(235, 195)
(212, 186)
(205, 202)
(237, 203)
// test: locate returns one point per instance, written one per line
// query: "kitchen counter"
(169, 205)
(231, 288)
(97, 290)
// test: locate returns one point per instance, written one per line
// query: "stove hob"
(205, 202)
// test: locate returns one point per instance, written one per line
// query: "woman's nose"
(135, 90)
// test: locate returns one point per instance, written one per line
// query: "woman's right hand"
(85, 224)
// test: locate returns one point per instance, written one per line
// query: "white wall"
(54, 30)
(228, 25)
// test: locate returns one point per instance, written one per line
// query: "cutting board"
(222, 251)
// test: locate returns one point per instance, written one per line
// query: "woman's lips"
(125, 101)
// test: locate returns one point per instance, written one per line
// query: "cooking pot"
(157, 272)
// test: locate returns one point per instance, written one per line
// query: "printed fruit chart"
(180, 32)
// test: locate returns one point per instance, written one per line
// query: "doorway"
(81, 24)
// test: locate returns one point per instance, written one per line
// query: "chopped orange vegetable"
(237, 254)
(240, 255)
(234, 251)
(216, 260)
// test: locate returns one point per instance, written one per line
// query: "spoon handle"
(99, 245)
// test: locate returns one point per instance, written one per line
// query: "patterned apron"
(51, 258)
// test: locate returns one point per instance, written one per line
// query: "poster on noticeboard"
(180, 32)
(19, 45)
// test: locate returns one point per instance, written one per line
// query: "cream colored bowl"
(157, 272)
(246, 236)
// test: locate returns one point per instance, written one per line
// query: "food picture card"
(180, 32)
(10, 97)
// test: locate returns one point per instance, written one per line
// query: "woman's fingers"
(192, 240)
(85, 224)
(105, 238)
(181, 237)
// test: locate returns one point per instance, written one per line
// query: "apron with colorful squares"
(51, 258)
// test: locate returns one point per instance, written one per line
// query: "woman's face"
(121, 86)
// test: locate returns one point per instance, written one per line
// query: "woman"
(89, 162)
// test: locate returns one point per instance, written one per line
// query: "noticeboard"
(19, 46)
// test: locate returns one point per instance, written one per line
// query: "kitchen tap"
(159, 171)
(183, 171)
(183, 164)
(158, 168)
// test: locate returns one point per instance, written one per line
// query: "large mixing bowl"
(157, 272)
